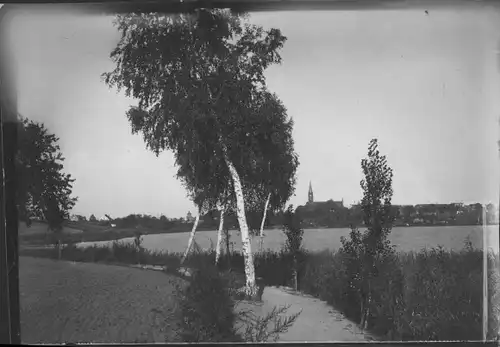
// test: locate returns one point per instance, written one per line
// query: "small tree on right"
(293, 244)
(365, 250)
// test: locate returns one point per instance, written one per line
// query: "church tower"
(310, 196)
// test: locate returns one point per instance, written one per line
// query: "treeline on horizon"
(324, 214)
(330, 214)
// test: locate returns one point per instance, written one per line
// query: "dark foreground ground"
(63, 301)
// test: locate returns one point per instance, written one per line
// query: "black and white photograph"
(291, 174)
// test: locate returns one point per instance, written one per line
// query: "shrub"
(207, 307)
(293, 246)
(256, 329)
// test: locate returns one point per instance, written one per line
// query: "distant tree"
(92, 218)
(44, 190)
(199, 79)
(81, 218)
(476, 214)
(408, 212)
(365, 250)
(490, 213)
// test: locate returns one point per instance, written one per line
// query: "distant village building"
(73, 218)
(189, 218)
(322, 213)
(330, 203)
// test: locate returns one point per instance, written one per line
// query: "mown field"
(405, 238)
(63, 301)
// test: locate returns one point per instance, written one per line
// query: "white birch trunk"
(263, 221)
(246, 246)
(219, 236)
(191, 238)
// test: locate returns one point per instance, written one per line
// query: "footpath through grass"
(427, 295)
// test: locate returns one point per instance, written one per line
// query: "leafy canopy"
(365, 248)
(377, 195)
(44, 190)
(200, 85)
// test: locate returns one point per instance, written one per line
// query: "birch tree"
(191, 237)
(205, 191)
(278, 160)
(218, 249)
(198, 79)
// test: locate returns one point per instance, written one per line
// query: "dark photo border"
(10, 332)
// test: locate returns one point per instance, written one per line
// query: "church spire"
(310, 196)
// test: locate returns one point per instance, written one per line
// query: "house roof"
(329, 203)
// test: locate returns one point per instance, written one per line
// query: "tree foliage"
(293, 244)
(200, 85)
(365, 250)
(199, 79)
(293, 231)
(376, 202)
(44, 190)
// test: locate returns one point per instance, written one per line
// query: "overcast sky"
(425, 85)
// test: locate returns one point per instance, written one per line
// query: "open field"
(405, 238)
(80, 302)
(37, 233)
(41, 228)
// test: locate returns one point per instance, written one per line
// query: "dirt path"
(317, 322)
(84, 302)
